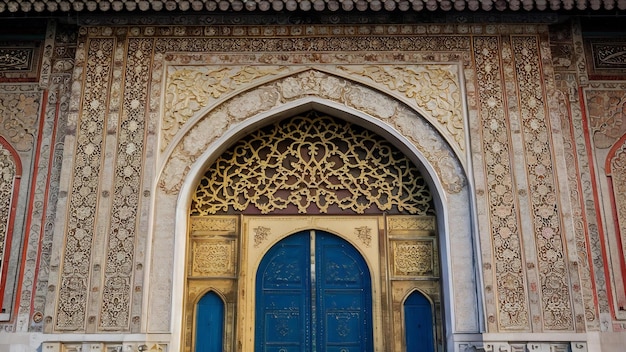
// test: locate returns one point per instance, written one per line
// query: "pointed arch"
(209, 323)
(185, 162)
(419, 322)
(10, 176)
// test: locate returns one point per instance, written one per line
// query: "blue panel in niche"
(418, 323)
(210, 324)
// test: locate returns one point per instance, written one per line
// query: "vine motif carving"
(210, 258)
(188, 90)
(414, 258)
(260, 234)
(312, 162)
(580, 226)
(553, 271)
(7, 179)
(118, 273)
(82, 201)
(18, 118)
(364, 233)
(434, 88)
(606, 116)
(511, 294)
(618, 175)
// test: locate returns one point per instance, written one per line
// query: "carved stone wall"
(517, 129)
(591, 114)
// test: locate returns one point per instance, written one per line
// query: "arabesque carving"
(423, 223)
(260, 234)
(213, 224)
(189, 89)
(82, 201)
(433, 88)
(606, 115)
(18, 117)
(413, 258)
(7, 179)
(212, 258)
(552, 263)
(364, 233)
(510, 288)
(618, 176)
(312, 162)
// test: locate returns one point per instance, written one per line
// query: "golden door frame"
(224, 252)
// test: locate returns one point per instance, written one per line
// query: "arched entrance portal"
(313, 294)
(305, 181)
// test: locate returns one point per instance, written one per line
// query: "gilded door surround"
(191, 152)
(280, 227)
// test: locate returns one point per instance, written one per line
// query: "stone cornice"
(8, 7)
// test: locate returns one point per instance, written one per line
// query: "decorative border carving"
(553, 268)
(510, 291)
(82, 205)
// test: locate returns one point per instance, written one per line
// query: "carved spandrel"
(432, 88)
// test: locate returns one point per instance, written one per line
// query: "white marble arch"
(459, 249)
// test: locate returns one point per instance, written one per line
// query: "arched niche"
(211, 134)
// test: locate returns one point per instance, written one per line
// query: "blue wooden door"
(418, 323)
(210, 324)
(313, 294)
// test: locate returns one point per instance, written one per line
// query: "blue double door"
(313, 294)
